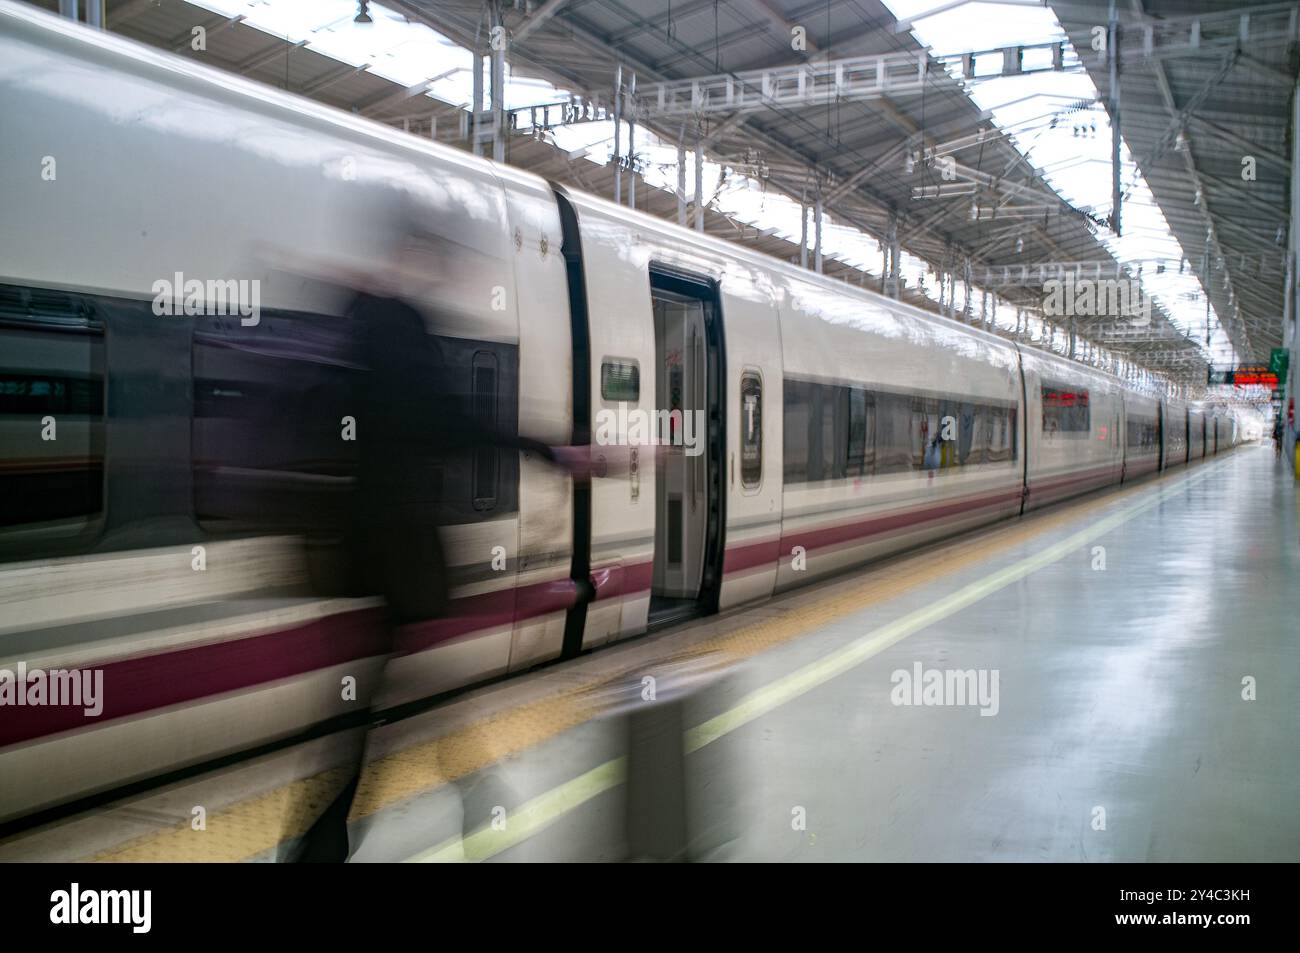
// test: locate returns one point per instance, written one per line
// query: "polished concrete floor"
(1147, 656)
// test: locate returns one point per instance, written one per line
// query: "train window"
(51, 412)
(971, 441)
(620, 380)
(751, 430)
(927, 448)
(1003, 434)
(275, 425)
(484, 394)
(1065, 409)
(480, 482)
(834, 431)
(893, 433)
(862, 433)
(798, 415)
(1143, 432)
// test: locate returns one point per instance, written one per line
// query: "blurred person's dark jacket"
(411, 421)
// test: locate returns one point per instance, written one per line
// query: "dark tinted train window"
(51, 411)
(1143, 432)
(1003, 434)
(833, 431)
(798, 413)
(751, 431)
(1065, 409)
(279, 417)
(816, 431)
(893, 433)
(862, 434)
(481, 482)
(275, 425)
(485, 390)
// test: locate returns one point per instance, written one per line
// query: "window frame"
(609, 360)
(30, 540)
(890, 427)
(748, 375)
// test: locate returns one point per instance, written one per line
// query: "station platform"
(1147, 654)
(1133, 666)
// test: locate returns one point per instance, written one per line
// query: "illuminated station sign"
(1243, 375)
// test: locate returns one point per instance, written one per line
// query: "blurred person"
(411, 420)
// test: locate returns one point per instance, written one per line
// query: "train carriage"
(1144, 422)
(1074, 434)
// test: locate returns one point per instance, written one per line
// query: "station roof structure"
(1206, 92)
(839, 101)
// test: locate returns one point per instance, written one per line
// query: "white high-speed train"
(150, 462)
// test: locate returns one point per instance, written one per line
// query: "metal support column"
(699, 183)
(1112, 57)
(476, 116)
(618, 134)
(631, 140)
(803, 230)
(817, 236)
(894, 253)
(498, 92)
(681, 177)
(966, 303)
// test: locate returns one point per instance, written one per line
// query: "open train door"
(688, 544)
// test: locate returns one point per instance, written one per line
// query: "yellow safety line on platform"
(549, 807)
(258, 824)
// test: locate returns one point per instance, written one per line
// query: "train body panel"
(621, 346)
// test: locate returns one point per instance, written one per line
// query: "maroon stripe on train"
(851, 532)
(614, 581)
(135, 685)
(764, 554)
(744, 556)
(487, 610)
(495, 609)
(1076, 483)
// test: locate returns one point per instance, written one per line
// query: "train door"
(688, 432)
(1121, 435)
(1161, 463)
